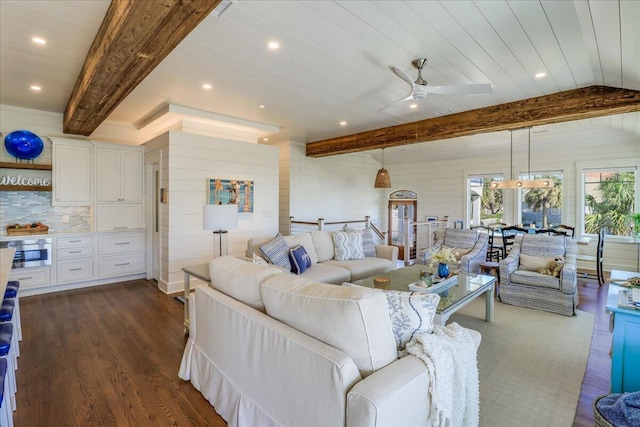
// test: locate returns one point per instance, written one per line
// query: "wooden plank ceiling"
(135, 36)
(583, 103)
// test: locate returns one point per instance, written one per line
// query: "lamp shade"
(383, 180)
(220, 217)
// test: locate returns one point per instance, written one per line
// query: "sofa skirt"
(234, 407)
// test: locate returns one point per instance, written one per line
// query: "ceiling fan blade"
(404, 76)
(472, 89)
(397, 102)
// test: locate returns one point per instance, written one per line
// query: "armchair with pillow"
(470, 245)
(540, 273)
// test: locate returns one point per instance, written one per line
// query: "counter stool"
(6, 336)
(6, 415)
(7, 311)
(492, 269)
(12, 292)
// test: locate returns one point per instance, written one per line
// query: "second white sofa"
(324, 268)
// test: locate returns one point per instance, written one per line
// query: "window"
(485, 203)
(542, 206)
(609, 200)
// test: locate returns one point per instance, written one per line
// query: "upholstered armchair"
(522, 284)
(471, 246)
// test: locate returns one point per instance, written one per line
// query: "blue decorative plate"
(23, 144)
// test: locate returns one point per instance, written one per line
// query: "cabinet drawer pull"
(122, 243)
(119, 228)
(75, 269)
(120, 265)
(25, 278)
(75, 241)
(75, 252)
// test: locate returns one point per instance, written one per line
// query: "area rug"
(531, 363)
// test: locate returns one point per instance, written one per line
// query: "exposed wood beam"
(135, 36)
(576, 104)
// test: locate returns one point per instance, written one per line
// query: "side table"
(492, 268)
(199, 271)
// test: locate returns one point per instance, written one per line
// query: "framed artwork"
(231, 192)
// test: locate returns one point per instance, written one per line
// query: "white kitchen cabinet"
(74, 258)
(121, 254)
(72, 172)
(119, 174)
(114, 216)
(29, 278)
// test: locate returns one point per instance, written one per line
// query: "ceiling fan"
(420, 89)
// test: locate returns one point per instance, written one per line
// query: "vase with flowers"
(443, 257)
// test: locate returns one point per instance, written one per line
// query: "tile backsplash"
(23, 207)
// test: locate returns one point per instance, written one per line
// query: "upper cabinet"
(119, 174)
(72, 178)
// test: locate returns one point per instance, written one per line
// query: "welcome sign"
(24, 180)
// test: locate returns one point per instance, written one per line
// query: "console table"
(199, 271)
(625, 349)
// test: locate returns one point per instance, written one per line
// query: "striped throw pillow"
(276, 251)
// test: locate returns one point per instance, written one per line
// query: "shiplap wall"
(441, 186)
(335, 188)
(190, 161)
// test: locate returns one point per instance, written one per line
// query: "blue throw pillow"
(277, 252)
(300, 259)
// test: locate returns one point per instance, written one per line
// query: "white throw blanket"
(450, 356)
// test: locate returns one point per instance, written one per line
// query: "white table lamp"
(220, 219)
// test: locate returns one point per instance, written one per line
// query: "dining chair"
(571, 231)
(597, 258)
(551, 232)
(508, 236)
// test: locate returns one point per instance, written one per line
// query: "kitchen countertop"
(6, 237)
(6, 261)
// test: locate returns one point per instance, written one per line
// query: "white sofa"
(324, 268)
(268, 348)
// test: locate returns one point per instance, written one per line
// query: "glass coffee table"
(453, 296)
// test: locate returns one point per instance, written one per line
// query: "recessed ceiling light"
(39, 40)
(261, 106)
(36, 88)
(207, 86)
(540, 75)
(413, 106)
(343, 123)
(265, 139)
(273, 45)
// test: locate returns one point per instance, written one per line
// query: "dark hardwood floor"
(109, 356)
(105, 356)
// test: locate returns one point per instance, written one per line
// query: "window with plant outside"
(486, 204)
(609, 200)
(542, 206)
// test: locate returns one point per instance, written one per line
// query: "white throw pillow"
(347, 245)
(410, 313)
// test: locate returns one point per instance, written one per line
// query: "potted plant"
(443, 256)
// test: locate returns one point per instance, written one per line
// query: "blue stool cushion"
(6, 312)
(6, 331)
(10, 293)
(3, 374)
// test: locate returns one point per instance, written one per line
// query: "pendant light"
(523, 183)
(383, 180)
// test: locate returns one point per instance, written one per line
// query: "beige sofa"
(273, 349)
(324, 268)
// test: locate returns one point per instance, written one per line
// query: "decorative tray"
(436, 287)
(631, 282)
(22, 230)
